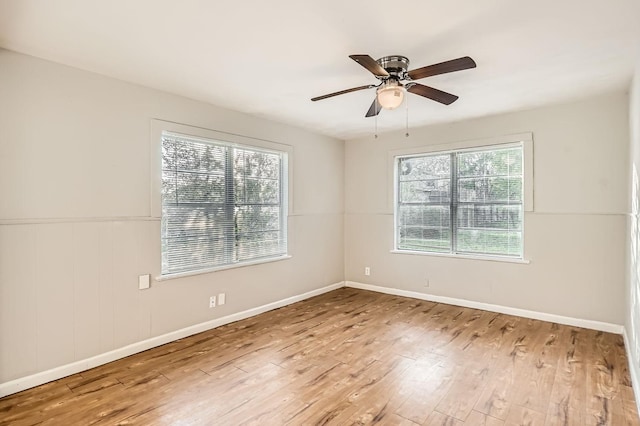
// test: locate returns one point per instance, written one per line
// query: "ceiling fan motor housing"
(395, 65)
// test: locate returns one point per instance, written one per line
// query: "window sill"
(220, 268)
(464, 256)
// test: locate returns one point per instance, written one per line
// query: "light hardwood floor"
(353, 357)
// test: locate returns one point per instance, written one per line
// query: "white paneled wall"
(70, 291)
(75, 224)
(18, 302)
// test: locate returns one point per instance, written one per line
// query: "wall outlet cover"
(144, 282)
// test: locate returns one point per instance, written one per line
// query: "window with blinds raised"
(461, 202)
(222, 204)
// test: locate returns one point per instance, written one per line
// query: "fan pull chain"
(406, 128)
(375, 132)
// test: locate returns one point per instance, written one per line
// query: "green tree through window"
(222, 204)
(468, 202)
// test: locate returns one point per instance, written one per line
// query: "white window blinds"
(467, 202)
(222, 203)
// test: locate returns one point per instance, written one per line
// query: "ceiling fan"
(395, 79)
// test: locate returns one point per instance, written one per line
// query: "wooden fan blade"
(442, 68)
(342, 92)
(431, 93)
(374, 109)
(370, 64)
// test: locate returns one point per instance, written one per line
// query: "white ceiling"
(268, 58)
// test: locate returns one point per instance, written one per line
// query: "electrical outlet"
(212, 302)
(367, 271)
(222, 299)
(426, 282)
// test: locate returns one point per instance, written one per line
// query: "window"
(461, 202)
(222, 203)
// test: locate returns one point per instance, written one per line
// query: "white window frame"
(526, 139)
(158, 127)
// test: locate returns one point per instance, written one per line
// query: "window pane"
(183, 222)
(259, 191)
(168, 154)
(488, 189)
(198, 156)
(198, 188)
(424, 198)
(192, 237)
(256, 177)
(257, 218)
(494, 162)
(424, 238)
(257, 164)
(496, 216)
(490, 241)
(427, 167)
(426, 228)
(258, 244)
(489, 216)
(190, 254)
(438, 216)
(425, 191)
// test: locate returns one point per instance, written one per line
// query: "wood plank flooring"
(353, 357)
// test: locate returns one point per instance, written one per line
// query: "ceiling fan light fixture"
(390, 95)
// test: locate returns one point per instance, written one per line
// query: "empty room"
(319, 213)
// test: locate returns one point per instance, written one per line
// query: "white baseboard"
(577, 322)
(22, 383)
(633, 371)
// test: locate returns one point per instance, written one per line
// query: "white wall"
(632, 293)
(574, 238)
(76, 227)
